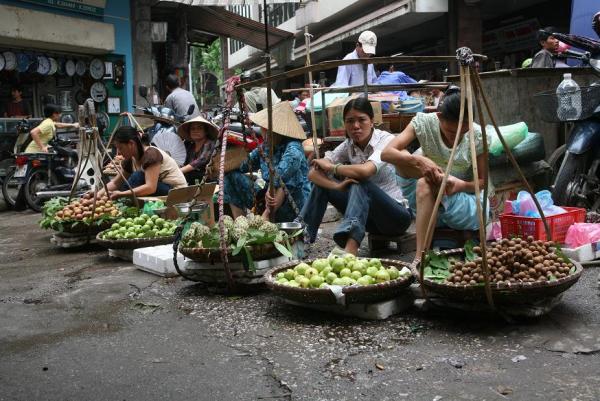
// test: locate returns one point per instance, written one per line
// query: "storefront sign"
(94, 7)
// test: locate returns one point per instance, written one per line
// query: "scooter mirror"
(595, 62)
(191, 109)
(143, 91)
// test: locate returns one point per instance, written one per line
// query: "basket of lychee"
(340, 279)
(519, 270)
(81, 215)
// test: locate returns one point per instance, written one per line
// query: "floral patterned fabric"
(290, 164)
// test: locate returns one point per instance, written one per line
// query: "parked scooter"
(163, 132)
(577, 163)
(37, 172)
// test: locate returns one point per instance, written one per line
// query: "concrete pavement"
(77, 325)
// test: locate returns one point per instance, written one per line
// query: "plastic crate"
(520, 226)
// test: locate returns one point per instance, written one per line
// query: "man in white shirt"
(353, 75)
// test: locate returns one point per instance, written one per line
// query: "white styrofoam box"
(583, 253)
(68, 240)
(125, 254)
(159, 260)
(373, 311)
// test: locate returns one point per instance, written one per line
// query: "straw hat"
(285, 122)
(212, 131)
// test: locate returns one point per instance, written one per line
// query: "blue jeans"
(138, 178)
(366, 208)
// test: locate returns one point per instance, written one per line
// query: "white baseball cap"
(368, 40)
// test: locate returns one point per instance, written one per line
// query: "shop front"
(64, 53)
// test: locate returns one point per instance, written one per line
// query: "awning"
(224, 3)
(225, 23)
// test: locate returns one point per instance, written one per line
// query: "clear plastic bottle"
(569, 99)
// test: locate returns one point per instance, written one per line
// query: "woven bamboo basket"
(234, 157)
(213, 255)
(510, 293)
(83, 228)
(353, 294)
(133, 243)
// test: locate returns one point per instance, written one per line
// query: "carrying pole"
(269, 102)
(312, 96)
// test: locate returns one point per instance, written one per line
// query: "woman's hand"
(274, 202)
(343, 185)
(432, 173)
(453, 185)
(44, 149)
(116, 195)
(323, 164)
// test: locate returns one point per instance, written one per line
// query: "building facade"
(65, 52)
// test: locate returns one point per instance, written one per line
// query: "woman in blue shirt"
(289, 163)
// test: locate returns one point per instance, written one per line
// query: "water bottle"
(569, 99)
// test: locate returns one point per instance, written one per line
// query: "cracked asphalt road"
(78, 325)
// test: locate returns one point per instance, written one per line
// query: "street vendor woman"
(199, 135)
(355, 180)
(423, 170)
(148, 170)
(289, 164)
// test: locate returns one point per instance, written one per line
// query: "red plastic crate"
(520, 226)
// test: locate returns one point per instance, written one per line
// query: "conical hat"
(285, 122)
(212, 131)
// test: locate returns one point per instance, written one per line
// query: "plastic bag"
(149, 207)
(582, 233)
(525, 206)
(513, 135)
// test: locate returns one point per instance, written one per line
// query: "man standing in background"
(353, 75)
(180, 100)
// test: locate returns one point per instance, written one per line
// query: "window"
(279, 13)
(244, 11)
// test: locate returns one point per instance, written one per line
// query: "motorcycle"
(162, 131)
(36, 172)
(576, 164)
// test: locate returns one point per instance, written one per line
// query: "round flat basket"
(133, 243)
(213, 255)
(511, 293)
(353, 294)
(83, 228)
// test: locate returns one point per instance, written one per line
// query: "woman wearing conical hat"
(199, 135)
(289, 164)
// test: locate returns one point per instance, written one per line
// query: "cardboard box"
(187, 194)
(335, 116)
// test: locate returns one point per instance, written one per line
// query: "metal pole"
(312, 96)
(269, 102)
(366, 80)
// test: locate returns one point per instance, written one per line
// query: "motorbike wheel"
(555, 160)
(572, 165)
(37, 181)
(12, 191)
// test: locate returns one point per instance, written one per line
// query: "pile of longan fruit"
(512, 261)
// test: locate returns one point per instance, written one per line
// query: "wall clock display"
(114, 105)
(53, 66)
(119, 74)
(80, 68)
(98, 92)
(97, 68)
(10, 61)
(102, 120)
(23, 62)
(70, 67)
(2, 62)
(43, 65)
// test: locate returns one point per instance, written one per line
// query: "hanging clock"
(80, 68)
(23, 62)
(2, 62)
(119, 74)
(102, 120)
(97, 68)
(43, 65)
(98, 92)
(10, 61)
(53, 66)
(70, 68)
